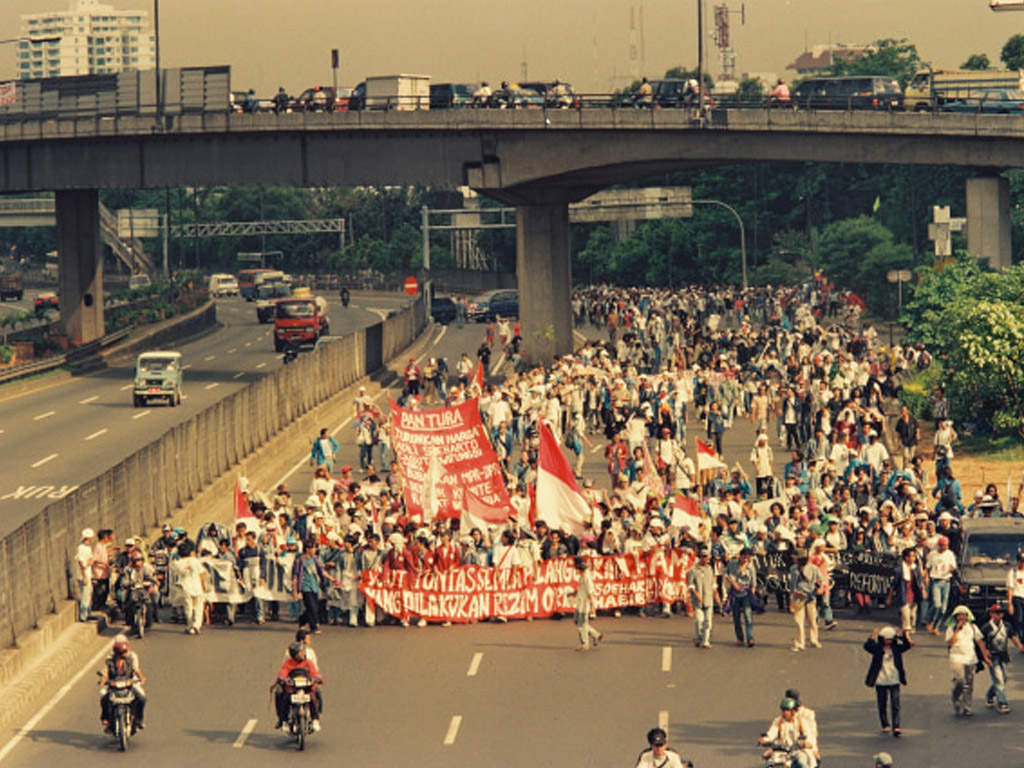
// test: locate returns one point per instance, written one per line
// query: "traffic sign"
(412, 286)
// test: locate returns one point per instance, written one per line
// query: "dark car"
(442, 309)
(869, 92)
(484, 308)
(321, 98)
(988, 550)
(994, 101)
(451, 95)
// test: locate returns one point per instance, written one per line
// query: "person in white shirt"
(940, 565)
(83, 562)
(791, 732)
(583, 604)
(963, 639)
(658, 755)
(191, 574)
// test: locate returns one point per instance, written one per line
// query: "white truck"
(401, 92)
(931, 88)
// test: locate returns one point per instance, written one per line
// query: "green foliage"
(896, 58)
(750, 89)
(1012, 54)
(6, 354)
(917, 390)
(976, 61)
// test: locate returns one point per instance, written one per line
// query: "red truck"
(299, 320)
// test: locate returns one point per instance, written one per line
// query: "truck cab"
(267, 295)
(157, 375)
(988, 551)
(299, 320)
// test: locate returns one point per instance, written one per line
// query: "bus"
(247, 281)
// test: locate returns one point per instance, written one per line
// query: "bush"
(6, 354)
(917, 390)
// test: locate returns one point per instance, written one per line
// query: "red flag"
(650, 476)
(477, 513)
(685, 512)
(241, 505)
(478, 375)
(559, 501)
(853, 298)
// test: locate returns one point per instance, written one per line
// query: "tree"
(750, 89)
(896, 58)
(1012, 54)
(976, 61)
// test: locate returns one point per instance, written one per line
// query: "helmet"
(788, 703)
(297, 649)
(657, 737)
(121, 645)
(136, 556)
(180, 531)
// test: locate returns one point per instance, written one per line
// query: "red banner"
(474, 592)
(463, 455)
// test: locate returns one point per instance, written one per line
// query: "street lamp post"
(743, 233)
(700, 58)
(156, 56)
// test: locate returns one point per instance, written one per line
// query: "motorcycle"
(300, 720)
(290, 354)
(160, 560)
(121, 698)
(138, 599)
(345, 297)
(777, 755)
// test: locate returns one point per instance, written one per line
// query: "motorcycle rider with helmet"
(122, 664)
(139, 575)
(789, 731)
(296, 660)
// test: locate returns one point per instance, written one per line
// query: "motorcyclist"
(644, 94)
(482, 95)
(281, 101)
(789, 731)
(140, 575)
(659, 755)
(345, 296)
(780, 93)
(296, 660)
(122, 664)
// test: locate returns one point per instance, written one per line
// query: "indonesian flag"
(241, 505)
(853, 298)
(707, 458)
(685, 513)
(559, 501)
(477, 513)
(478, 375)
(650, 476)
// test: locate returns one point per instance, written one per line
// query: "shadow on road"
(88, 741)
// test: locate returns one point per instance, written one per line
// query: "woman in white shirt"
(963, 638)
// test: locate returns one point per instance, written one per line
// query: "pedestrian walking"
(658, 754)
(191, 576)
(581, 615)
(83, 575)
(805, 584)
(704, 596)
(998, 636)
(886, 673)
(307, 576)
(325, 448)
(742, 578)
(963, 638)
(1015, 595)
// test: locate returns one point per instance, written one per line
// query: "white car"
(223, 285)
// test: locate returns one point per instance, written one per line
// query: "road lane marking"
(383, 313)
(186, 366)
(663, 720)
(88, 399)
(43, 461)
(453, 730)
(474, 665)
(260, 365)
(31, 724)
(247, 344)
(209, 358)
(232, 351)
(666, 659)
(440, 335)
(211, 386)
(596, 448)
(238, 375)
(96, 434)
(497, 364)
(42, 416)
(240, 741)
(126, 387)
(140, 415)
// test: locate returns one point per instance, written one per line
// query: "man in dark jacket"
(907, 591)
(886, 673)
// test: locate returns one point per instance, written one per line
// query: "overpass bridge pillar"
(81, 264)
(544, 272)
(988, 219)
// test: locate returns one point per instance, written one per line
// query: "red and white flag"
(478, 375)
(650, 476)
(477, 513)
(241, 505)
(559, 501)
(685, 512)
(707, 458)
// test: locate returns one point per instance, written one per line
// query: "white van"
(223, 285)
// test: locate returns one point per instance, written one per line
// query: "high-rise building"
(94, 39)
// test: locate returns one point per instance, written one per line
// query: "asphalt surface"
(63, 434)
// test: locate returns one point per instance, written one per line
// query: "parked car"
(489, 305)
(46, 301)
(870, 92)
(442, 309)
(451, 95)
(157, 375)
(997, 101)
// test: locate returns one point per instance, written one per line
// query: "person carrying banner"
(582, 605)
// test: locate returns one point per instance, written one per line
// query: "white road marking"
(497, 364)
(88, 399)
(441, 334)
(378, 311)
(53, 702)
(126, 387)
(663, 720)
(232, 351)
(474, 665)
(666, 659)
(240, 741)
(96, 434)
(208, 358)
(43, 461)
(46, 415)
(140, 415)
(211, 386)
(186, 366)
(596, 448)
(261, 365)
(247, 344)
(238, 375)
(453, 730)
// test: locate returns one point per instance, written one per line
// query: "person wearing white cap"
(964, 640)
(883, 760)
(886, 673)
(83, 562)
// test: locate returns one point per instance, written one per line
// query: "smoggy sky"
(270, 43)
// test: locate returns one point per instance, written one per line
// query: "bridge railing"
(37, 558)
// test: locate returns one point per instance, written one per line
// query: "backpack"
(947, 499)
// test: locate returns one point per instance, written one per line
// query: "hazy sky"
(269, 43)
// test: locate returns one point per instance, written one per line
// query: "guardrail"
(56, 361)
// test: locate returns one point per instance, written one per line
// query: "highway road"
(59, 436)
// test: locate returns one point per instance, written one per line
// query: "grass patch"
(1004, 448)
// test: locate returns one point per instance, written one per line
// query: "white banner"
(222, 586)
(279, 580)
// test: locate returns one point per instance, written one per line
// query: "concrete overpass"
(539, 161)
